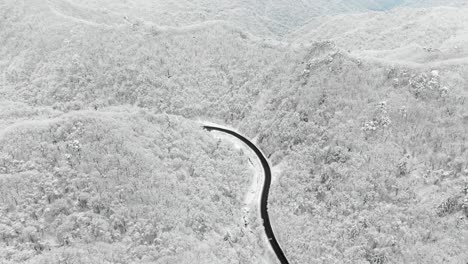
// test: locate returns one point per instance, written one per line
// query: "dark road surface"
(266, 189)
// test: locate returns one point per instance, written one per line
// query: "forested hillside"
(191, 71)
(373, 161)
(118, 186)
(433, 35)
(362, 114)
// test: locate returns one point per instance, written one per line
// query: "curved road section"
(264, 196)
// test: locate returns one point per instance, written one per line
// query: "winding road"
(265, 190)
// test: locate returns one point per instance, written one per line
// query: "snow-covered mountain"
(359, 105)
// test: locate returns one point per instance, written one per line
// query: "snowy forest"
(360, 106)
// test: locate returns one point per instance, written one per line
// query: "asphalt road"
(265, 191)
